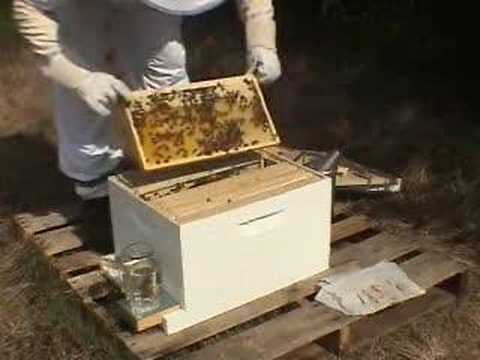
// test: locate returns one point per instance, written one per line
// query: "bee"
(182, 152)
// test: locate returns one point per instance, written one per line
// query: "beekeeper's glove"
(260, 36)
(264, 64)
(100, 91)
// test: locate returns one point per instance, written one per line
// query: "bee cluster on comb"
(208, 119)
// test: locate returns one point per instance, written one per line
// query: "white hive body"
(225, 238)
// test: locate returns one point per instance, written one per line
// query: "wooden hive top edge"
(233, 192)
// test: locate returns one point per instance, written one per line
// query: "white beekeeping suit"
(95, 51)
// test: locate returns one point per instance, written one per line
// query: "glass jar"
(140, 278)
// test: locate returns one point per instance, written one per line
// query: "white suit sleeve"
(260, 28)
(36, 22)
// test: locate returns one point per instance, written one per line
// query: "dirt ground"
(378, 118)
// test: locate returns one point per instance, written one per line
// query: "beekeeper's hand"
(101, 91)
(264, 64)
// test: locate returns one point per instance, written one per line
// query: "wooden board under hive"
(198, 121)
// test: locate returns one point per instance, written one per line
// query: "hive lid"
(199, 121)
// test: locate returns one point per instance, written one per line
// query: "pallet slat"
(391, 319)
(78, 261)
(350, 226)
(289, 335)
(377, 248)
(277, 337)
(310, 352)
(44, 220)
(153, 344)
(92, 285)
(58, 241)
(290, 331)
(431, 268)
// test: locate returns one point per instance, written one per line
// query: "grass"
(26, 301)
(24, 101)
(40, 318)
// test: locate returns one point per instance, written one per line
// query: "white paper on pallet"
(369, 290)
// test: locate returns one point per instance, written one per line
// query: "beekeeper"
(96, 51)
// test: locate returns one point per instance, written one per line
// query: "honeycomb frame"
(204, 120)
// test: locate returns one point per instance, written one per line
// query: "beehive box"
(225, 235)
(203, 120)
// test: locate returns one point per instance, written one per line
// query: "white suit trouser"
(145, 50)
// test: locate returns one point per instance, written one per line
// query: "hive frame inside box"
(301, 247)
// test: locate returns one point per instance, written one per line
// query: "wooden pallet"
(285, 324)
